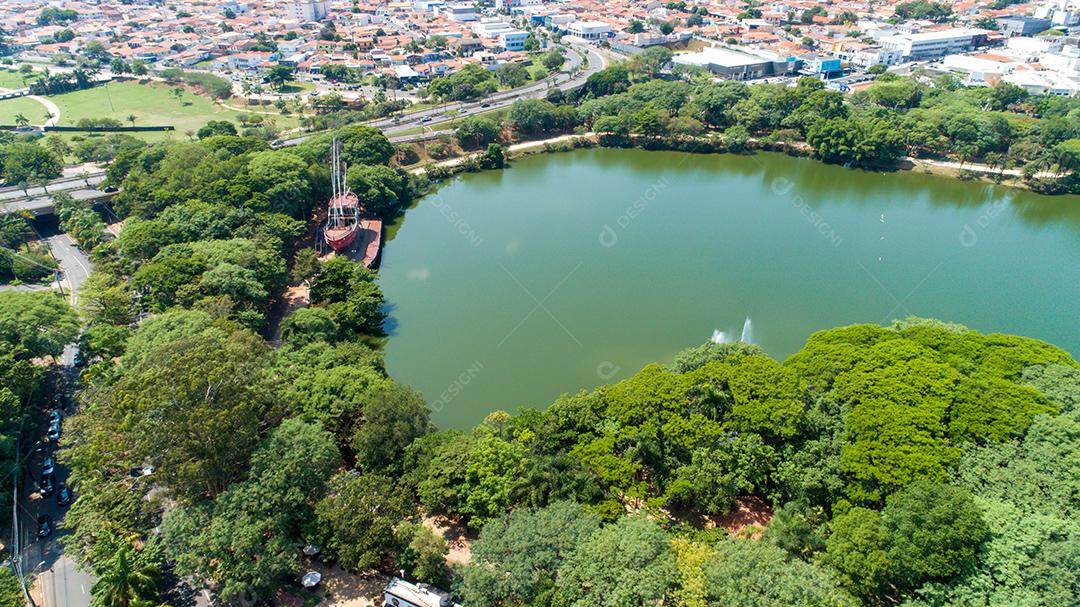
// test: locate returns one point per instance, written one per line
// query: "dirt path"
(524, 146)
(51, 107)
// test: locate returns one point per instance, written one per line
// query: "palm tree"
(21, 119)
(126, 583)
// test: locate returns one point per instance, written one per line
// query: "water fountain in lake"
(720, 337)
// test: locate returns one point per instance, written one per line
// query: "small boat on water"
(343, 209)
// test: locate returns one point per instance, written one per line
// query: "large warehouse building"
(738, 65)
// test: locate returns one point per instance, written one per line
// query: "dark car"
(80, 359)
(485, 105)
(55, 416)
(48, 467)
(63, 497)
(54, 431)
(44, 525)
(47, 486)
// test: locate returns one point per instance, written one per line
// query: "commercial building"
(589, 30)
(738, 65)
(459, 12)
(935, 44)
(308, 10)
(1022, 26)
(513, 40)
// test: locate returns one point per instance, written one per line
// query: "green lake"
(571, 270)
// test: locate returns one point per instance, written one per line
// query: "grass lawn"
(12, 79)
(151, 104)
(33, 110)
(297, 86)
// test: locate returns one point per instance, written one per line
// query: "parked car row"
(48, 485)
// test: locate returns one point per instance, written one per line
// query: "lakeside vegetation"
(922, 463)
(633, 104)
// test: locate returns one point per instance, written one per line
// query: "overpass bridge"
(39, 205)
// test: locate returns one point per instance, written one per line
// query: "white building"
(308, 10)
(865, 58)
(491, 27)
(589, 30)
(459, 12)
(1044, 83)
(935, 44)
(399, 593)
(513, 40)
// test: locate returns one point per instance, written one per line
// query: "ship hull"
(340, 239)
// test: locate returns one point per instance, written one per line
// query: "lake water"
(572, 270)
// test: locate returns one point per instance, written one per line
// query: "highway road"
(445, 113)
(397, 129)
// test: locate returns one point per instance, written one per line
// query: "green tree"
(934, 532)
(518, 557)
(391, 417)
(29, 163)
(308, 325)
(628, 563)
(216, 127)
(532, 116)
(35, 324)
(857, 548)
(281, 179)
(424, 553)
(279, 75)
(246, 539)
(358, 517)
(202, 403)
(477, 131)
(608, 81)
(126, 581)
(11, 591)
(746, 572)
(512, 75)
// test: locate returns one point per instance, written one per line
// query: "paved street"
(74, 264)
(65, 585)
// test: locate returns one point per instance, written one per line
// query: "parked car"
(54, 431)
(48, 466)
(426, 119)
(44, 525)
(63, 497)
(80, 359)
(55, 416)
(47, 486)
